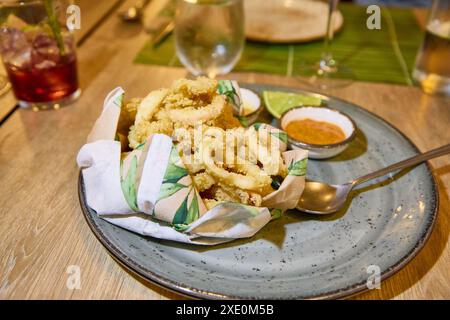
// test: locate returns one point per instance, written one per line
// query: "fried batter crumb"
(185, 104)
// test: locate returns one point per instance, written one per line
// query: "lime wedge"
(278, 102)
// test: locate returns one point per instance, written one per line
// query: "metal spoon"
(322, 198)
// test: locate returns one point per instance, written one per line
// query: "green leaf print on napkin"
(257, 126)
(168, 189)
(174, 172)
(193, 212)
(180, 227)
(184, 216)
(118, 101)
(128, 185)
(182, 211)
(141, 146)
(243, 121)
(277, 134)
(280, 135)
(275, 213)
(226, 88)
(297, 168)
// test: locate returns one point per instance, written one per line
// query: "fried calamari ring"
(239, 195)
(142, 130)
(197, 115)
(257, 182)
(266, 150)
(150, 105)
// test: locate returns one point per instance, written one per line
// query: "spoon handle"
(405, 163)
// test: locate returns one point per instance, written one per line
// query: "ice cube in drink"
(39, 74)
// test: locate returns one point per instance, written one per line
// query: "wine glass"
(209, 35)
(327, 72)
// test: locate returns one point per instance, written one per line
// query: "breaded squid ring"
(255, 182)
(192, 116)
(259, 144)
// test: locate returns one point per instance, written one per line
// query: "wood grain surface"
(42, 229)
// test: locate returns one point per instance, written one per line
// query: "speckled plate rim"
(149, 275)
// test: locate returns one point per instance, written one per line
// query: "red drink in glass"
(38, 52)
(42, 85)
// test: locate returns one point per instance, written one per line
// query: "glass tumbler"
(432, 69)
(38, 52)
(209, 35)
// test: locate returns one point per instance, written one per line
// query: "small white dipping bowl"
(252, 100)
(320, 151)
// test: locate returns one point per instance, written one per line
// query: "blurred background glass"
(38, 52)
(432, 69)
(327, 72)
(209, 35)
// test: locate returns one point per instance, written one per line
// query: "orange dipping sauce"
(315, 132)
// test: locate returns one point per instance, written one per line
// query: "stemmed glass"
(327, 73)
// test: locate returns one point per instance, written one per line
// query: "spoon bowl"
(323, 198)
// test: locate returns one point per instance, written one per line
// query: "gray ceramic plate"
(302, 256)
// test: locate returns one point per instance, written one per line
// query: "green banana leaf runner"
(385, 55)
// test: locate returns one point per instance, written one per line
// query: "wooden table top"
(43, 231)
